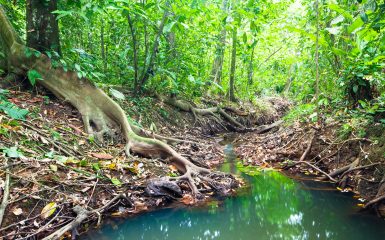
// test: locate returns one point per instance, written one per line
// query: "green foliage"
(13, 111)
(33, 76)
(9, 108)
(301, 113)
(12, 152)
(275, 49)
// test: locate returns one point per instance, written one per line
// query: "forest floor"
(54, 165)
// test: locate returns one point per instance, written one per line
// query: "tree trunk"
(134, 49)
(250, 74)
(42, 26)
(233, 62)
(149, 68)
(216, 72)
(102, 45)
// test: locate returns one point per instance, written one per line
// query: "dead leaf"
(188, 199)
(85, 189)
(104, 156)
(140, 206)
(35, 223)
(43, 140)
(17, 211)
(53, 167)
(173, 168)
(48, 210)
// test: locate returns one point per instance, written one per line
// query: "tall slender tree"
(232, 68)
(216, 71)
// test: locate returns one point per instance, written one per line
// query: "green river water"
(272, 207)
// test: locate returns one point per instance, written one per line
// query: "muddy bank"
(352, 158)
(53, 165)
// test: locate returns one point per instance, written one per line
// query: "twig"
(51, 142)
(4, 202)
(44, 227)
(93, 190)
(82, 214)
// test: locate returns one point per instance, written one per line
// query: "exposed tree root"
(212, 111)
(265, 128)
(102, 117)
(4, 202)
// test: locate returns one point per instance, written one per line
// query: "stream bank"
(350, 157)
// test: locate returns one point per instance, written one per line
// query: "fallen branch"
(4, 202)
(265, 128)
(314, 167)
(81, 215)
(308, 148)
(374, 201)
(358, 168)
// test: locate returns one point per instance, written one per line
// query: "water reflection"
(274, 207)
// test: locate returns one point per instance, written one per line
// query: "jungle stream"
(272, 206)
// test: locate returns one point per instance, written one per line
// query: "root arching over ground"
(101, 115)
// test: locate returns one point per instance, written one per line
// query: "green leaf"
(48, 210)
(117, 94)
(13, 111)
(356, 24)
(337, 20)
(12, 152)
(169, 27)
(334, 30)
(340, 10)
(355, 88)
(33, 75)
(116, 182)
(96, 166)
(28, 52)
(244, 38)
(83, 163)
(364, 17)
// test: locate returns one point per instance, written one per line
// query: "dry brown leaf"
(17, 211)
(85, 189)
(140, 206)
(173, 168)
(188, 199)
(104, 156)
